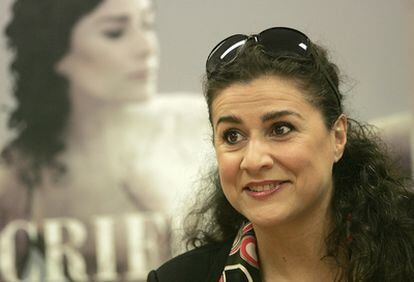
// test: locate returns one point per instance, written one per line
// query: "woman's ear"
(339, 131)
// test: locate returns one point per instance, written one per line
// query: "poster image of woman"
(97, 158)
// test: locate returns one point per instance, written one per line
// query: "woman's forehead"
(269, 90)
(117, 8)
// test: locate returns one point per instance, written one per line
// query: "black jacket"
(203, 264)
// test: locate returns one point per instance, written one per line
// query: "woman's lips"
(140, 75)
(261, 190)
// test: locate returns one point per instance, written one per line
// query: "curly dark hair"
(39, 35)
(367, 185)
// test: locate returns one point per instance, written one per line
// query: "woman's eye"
(114, 34)
(281, 129)
(232, 136)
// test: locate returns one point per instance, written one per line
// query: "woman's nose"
(257, 157)
(145, 44)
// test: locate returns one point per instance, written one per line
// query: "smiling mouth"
(264, 189)
(261, 188)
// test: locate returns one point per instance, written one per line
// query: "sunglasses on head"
(276, 42)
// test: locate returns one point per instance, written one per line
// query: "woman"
(97, 159)
(301, 192)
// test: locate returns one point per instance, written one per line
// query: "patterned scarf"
(242, 264)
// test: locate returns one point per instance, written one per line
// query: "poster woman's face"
(113, 54)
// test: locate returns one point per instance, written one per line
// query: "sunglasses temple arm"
(334, 88)
(328, 78)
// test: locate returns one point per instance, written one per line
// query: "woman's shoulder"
(201, 264)
(11, 192)
(8, 177)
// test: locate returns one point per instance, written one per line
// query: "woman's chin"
(133, 96)
(266, 220)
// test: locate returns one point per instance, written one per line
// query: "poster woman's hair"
(39, 35)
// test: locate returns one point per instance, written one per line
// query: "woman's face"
(114, 52)
(274, 152)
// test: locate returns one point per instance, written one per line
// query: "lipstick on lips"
(263, 189)
(140, 75)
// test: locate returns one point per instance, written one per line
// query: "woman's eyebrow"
(114, 18)
(266, 117)
(278, 114)
(229, 119)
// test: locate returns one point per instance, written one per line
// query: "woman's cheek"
(295, 158)
(229, 170)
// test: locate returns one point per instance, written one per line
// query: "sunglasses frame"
(238, 46)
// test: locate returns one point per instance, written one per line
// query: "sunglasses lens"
(276, 41)
(225, 51)
(281, 40)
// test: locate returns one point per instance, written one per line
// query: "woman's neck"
(295, 252)
(93, 121)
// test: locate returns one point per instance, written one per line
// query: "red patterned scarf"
(242, 264)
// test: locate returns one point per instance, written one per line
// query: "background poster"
(112, 221)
